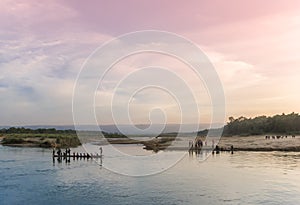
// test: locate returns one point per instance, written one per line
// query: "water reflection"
(203, 154)
(200, 154)
(267, 160)
(68, 159)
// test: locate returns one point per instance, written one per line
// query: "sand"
(249, 143)
(259, 143)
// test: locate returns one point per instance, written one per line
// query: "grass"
(41, 140)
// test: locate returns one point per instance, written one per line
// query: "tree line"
(279, 124)
(22, 130)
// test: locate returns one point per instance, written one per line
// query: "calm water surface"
(29, 176)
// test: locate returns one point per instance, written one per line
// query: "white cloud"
(43, 46)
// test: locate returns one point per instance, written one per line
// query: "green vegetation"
(22, 130)
(113, 135)
(39, 137)
(278, 124)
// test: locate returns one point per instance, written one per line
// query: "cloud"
(253, 46)
(38, 69)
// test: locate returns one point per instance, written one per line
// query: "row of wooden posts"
(67, 154)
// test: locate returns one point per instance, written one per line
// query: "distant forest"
(278, 124)
(22, 130)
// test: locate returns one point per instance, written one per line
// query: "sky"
(253, 46)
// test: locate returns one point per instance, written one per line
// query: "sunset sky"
(253, 45)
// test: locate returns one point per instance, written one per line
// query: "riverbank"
(240, 143)
(40, 140)
(154, 144)
(260, 143)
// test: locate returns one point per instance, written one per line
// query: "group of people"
(60, 153)
(198, 143)
(277, 137)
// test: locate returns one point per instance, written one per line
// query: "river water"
(30, 176)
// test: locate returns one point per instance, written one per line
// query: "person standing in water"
(100, 151)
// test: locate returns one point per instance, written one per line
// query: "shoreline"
(260, 143)
(239, 143)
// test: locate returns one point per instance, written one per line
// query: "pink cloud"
(124, 16)
(253, 44)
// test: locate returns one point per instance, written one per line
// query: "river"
(30, 176)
